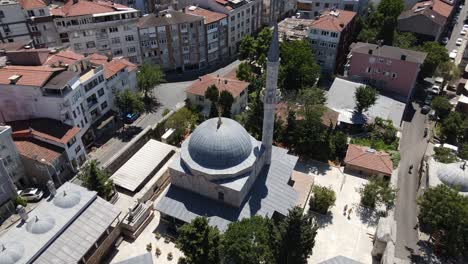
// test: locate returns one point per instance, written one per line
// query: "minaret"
(270, 95)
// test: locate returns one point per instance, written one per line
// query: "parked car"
(131, 117)
(31, 194)
(463, 32)
(445, 40)
(425, 109)
(428, 100)
(435, 89)
(465, 26)
(459, 41)
(453, 54)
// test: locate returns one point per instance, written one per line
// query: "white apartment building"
(173, 39)
(13, 22)
(99, 27)
(312, 8)
(41, 23)
(244, 18)
(11, 169)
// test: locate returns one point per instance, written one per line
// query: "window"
(317, 4)
(127, 27)
(82, 124)
(117, 52)
(113, 29)
(381, 60)
(200, 98)
(104, 105)
(71, 142)
(77, 46)
(325, 33)
(34, 28)
(31, 13)
(368, 70)
(41, 12)
(2, 15)
(6, 28)
(101, 92)
(327, 5)
(220, 196)
(131, 49)
(115, 40)
(77, 149)
(100, 78)
(90, 44)
(232, 29)
(232, 18)
(333, 34)
(212, 26)
(129, 38)
(74, 114)
(394, 75)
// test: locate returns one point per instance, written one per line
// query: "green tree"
(365, 97)
(244, 72)
(298, 68)
(149, 76)
(199, 242)
(444, 155)
(340, 144)
(212, 94)
(445, 211)
(322, 199)
(449, 71)
(376, 192)
(312, 96)
(20, 201)
(96, 179)
(225, 102)
(247, 49)
(441, 106)
(391, 8)
(463, 151)
(452, 127)
(248, 241)
(263, 42)
(436, 54)
(128, 102)
(297, 237)
(367, 35)
(404, 40)
(182, 121)
(254, 116)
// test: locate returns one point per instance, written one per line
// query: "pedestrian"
(349, 212)
(345, 209)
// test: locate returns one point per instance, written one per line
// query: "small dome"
(11, 252)
(219, 144)
(67, 199)
(454, 175)
(40, 225)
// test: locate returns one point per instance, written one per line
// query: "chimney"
(225, 81)
(22, 213)
(370, 52)
(403, 57)
(51, 188)
(109, 56)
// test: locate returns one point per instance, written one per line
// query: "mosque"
(225, 174)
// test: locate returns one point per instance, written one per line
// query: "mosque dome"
(219, 144)
(40, 225)
(11, 252)
(454, 175)
(66, 199)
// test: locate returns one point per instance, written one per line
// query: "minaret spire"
(270, 94)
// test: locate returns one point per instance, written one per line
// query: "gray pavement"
(412, 148)
(169, 96)
(456, 34)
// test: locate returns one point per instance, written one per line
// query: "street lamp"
(48, 172)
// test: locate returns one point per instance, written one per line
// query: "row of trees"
(444, 212)
(221, 102)
(249, 241)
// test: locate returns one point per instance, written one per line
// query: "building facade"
(41, 23)
(312, 8)
(275, 10)
(174, 40)
(11, 168)
(392, 69)
(13, 23)
(99, 27)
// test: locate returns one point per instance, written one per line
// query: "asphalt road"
(456, 34)
(168, 95)
(412, 148)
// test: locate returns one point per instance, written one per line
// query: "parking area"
(339, 234)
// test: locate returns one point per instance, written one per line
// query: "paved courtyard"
(338, 234)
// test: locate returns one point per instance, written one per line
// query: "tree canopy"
(365, 97)
(377, 191)
(212, 94)
(322, 199)
(148, 77)
(96, 179)
(199, 242)
(441, 106)
(244, 72)
(128, 102)
(183, 121)
(436, 55)
(225, 102)
(449, 71)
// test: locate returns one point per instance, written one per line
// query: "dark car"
(425, 109)
(428, 100)
(131, 117)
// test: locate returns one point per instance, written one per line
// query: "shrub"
(444, 155)
(20, 201)
(395, 157)
(377, 191)
(165, 112)
(322, 199)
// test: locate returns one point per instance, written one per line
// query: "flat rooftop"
(142, 165)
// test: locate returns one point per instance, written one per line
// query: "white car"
(459, 41)
(31, 194)
(463, 32)
(435, 89)
(453, 54)
(465, 27)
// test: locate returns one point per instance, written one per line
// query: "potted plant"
(157, 235)
(169, 256)
(149, 247)
(158, 252)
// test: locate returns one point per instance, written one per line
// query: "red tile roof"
(31, 4)
(30, 75)
(112, 67)
(64, 56)
(328, 20)
(369, 159)
(208, 15)
(235, 87)
(438, 6)
(37, 150)
(43, 128)
(83, 7)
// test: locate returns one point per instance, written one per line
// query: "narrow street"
(169, 96)
(412, 148)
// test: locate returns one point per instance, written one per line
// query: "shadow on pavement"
(152, 104)
(312, 166)
(127, 133)
(368, 216)
(322, 220)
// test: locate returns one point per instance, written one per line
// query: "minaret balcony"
(270, 97)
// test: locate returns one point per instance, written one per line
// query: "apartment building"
(99, 27)
(391, 69)
(13, 22)
(275, 10)
(41, 23)
(244, 18)
(313, 8)
(173, 39)
(216, 37)
(329, 34)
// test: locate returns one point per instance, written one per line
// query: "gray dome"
(11, 252)
(219, 146)
(40, 225)
(453, 175)
(67, 199)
